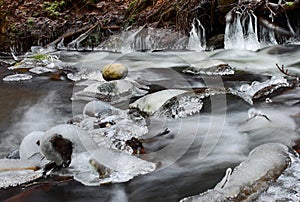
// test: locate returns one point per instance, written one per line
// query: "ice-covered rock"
(62, 142)
(112, 91)
(286, 187)
(122, 162)
(252, 177)
(98, 109)
(152, 102)
(115, 136)
(86, 75)
(258, 90)
(71, 132)
(110, 127)
(91, 173)
(181, 106)
(210, 67)
(41, 70)
(174, 103)
(26, 63)
(17, 77)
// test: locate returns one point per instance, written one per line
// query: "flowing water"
(196, 152)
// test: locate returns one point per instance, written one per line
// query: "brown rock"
(114, 71)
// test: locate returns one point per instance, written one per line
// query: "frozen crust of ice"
(17, 77)
(253, 176)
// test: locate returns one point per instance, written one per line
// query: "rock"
(61, 141)
(114, 71)
(58, 149)
(215, 42)
(136, 145)
(296, 145)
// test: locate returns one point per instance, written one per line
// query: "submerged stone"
(114, 71)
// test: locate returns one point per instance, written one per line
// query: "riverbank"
(47, 23)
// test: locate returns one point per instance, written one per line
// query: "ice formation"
(17, 77)
(18, 177)
(14, 172)
(181, 106)
(197, 38)
(252, 177)
(144, 39)
(259, 90)
(241, 31)
(152, 102)
(210, 67)
(112, 91)
(29, 148)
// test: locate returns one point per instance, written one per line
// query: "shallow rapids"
(191, 151)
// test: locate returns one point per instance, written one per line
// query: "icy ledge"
(252, 177)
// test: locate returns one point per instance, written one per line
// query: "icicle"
(129, 43)
(251, 41)
(267, 37)
(61, 45)
(241, 32)
(75, 44)
(197, 40)
(255, 25)
(12, 53)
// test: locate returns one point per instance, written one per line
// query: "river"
(197, 150)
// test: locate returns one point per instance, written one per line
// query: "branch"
(286, 72)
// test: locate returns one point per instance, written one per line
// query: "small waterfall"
(197, 39)
(241, 31)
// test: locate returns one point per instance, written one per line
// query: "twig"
(286, 72)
